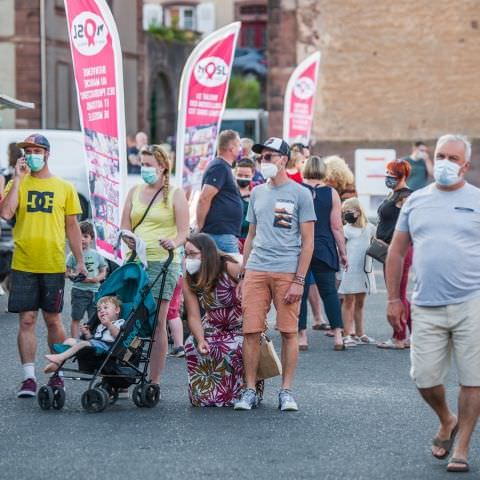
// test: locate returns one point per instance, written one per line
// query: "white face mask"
(192, 265)
(268, 170)
(445, 172)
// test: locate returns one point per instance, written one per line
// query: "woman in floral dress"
(214, 350)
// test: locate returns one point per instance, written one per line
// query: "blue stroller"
(126, 363)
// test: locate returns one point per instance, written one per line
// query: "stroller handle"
(170, 258)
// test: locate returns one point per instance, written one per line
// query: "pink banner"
(300, 101)
(203, 92)
(97, 65)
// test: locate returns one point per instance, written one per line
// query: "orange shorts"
(260, 289)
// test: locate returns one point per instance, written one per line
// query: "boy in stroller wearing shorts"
(108, 311)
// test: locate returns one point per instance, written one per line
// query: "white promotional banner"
(299, 104)
(370, 167)
(203, 93)
(98, 70)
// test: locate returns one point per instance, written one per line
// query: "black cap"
(273, 143)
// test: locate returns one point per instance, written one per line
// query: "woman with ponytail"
(164, 227)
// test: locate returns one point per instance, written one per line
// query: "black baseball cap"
(35, 140)
(273, 143)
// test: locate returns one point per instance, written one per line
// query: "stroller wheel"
(112, 392)
(137, 396)
(45, 397)
(58, 400)
(150, 395)
(95, 400)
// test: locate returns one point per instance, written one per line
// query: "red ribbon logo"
(90, 29)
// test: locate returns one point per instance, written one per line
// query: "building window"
(181, 17)
(253, 35)
(253, 10)
(188, 19)
(63, 96)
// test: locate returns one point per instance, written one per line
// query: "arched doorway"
(162, 110)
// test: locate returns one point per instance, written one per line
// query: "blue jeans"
(326, 282)
(225, 242)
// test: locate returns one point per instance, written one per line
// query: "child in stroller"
(108, 311)
(126, 361)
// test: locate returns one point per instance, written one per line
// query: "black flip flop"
(321, 326)
(465, 467)
(445, 444)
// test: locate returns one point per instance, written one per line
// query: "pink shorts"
(176, 301)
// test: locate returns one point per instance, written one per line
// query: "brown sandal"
(445, 444)
(465, 467)
(338, 347)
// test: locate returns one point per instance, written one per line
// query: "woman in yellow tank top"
(165, 227)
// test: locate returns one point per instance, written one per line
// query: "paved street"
(360, 418)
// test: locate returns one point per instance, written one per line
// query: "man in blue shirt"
(220, 208)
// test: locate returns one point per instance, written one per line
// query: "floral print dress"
(216, 379)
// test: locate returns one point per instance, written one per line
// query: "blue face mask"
(391, 182)
(35, 161)
(149, 175)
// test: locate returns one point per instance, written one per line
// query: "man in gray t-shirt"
(277, 254)
(443, 222)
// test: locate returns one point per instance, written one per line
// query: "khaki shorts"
(259, 290)
(437, 333)
(173, 274)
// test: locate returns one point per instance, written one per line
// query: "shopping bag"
(269, 365)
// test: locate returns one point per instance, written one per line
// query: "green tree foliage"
(244, 92)
(173, 34)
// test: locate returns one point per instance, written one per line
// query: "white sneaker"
(286, 402)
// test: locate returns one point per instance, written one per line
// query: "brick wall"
(27, 49)
(281, 55)
(391, 72)
(398, 70)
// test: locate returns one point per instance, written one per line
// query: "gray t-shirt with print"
(445, 229)
(277, 213)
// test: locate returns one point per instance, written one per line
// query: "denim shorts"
(226, 242)
(100, 345)
(83, 301)
(173, 274)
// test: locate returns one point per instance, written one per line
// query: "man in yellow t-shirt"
(45, 209)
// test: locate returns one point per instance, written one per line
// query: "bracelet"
(298, 283)
(241, 276)
(396, 300)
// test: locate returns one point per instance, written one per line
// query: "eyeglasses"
(268, 156)
(192, 254)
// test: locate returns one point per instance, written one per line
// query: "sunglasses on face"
(148, 150)
(268, 156)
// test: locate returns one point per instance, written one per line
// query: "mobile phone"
(77, 278)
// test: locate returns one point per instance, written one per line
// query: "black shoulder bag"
(148, 208)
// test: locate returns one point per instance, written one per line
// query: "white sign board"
(370, 167)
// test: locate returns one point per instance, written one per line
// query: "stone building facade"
(22, 58)
(391, 72)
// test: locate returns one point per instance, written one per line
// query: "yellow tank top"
(159, 223)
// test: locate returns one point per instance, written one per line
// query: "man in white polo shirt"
(443, 222)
